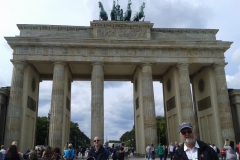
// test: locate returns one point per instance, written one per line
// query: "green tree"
(77, 137)
(42, 131)
(129, 136)
(161, 129)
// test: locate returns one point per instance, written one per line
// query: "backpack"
(70, 155)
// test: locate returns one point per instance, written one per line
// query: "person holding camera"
(230, 152)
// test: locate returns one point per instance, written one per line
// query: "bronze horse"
(102, 15)
(113, 12)
(128, 13)
(139, 14)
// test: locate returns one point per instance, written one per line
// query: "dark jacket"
(101, 154)
(205, 152)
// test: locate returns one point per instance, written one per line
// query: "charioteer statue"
(117, 13)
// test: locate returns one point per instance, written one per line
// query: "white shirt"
(148, 148)
(192, 154)
(171, 148)
(3, 153)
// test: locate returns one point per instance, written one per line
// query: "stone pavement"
(131, 158)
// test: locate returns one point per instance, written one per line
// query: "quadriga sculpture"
(128, 13)
(102, 15)
(139, 14)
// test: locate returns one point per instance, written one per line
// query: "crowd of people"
(189, 149)
(47, 153)
(192, 148)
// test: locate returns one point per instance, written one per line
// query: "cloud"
(233, 80)
(118, 96)
(236, 56)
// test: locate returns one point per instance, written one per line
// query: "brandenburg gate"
(188, 62)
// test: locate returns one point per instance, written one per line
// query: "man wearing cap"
(97, 151)
(191, 148)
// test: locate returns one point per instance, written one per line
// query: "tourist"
(238, 151)
(148, 151)
(2, 153)
(114, 153)
(223, 154)
(47, 154)
(32, 155)
(230, 150)
(121, 152)
(12, 153)
(176, 146)
(152, 152)
(170, 150)
(97, 151)
(160, 151)
(15, 144)
(165, 152)
(126, 150)
(69, 154)
(191, 148)
(83, 151)
(65, 150)
(56, 153)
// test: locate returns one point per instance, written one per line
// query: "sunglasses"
(96, 140)
(185, 132)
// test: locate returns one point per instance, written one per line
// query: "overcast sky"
(118, 96)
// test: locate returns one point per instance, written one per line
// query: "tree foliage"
(161, 129)
(129, 136)
(77, 137)
(42, 131)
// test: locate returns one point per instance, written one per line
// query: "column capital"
(63, 63)
(220, 64)
(97, 63)
(146, 64)
(16, 62)
(182, 64)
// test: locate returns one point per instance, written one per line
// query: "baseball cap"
(185, 125)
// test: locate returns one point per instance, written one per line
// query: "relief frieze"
(123, 52)
(122, 32)
(39, 50)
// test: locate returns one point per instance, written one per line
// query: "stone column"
(14, 111)
(57, 105)
(97, 108)
(238, 114)
(2, 102)
(225, 115)
(185, 94)
(149, 114)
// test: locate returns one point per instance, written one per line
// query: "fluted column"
(14, 111)
(2, 102)
(238, 114)
(149, 113)
(185, 94)
(57, 105)
(97, 108)
(223, 103)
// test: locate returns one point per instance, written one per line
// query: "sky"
(118, 96)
